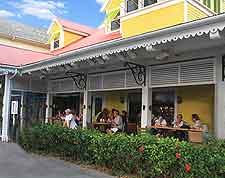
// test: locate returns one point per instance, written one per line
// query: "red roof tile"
(76, 27)
(98, 37)
(16, 56)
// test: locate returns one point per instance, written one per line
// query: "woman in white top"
(69, 119)
(117, 123)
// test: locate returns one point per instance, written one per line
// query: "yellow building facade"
(158, 15)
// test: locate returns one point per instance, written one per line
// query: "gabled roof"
(71, 26)
(22, 31)
(98, 37)
(16, 56)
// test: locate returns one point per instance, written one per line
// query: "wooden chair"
(132, 128)
(195, 137)
(142, 130)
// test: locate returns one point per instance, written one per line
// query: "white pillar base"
(5, 138)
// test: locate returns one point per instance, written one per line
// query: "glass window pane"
(56, 44)
(132, 5)
(115, 25)
(149, 2)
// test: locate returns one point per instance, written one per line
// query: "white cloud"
(42, 9)
(100, 1)
(5, 13)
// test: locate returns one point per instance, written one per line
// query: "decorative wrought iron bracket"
(79, 79)
(138, 72)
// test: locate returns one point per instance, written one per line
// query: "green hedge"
(141, 155)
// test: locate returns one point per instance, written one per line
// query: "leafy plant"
(141, 155)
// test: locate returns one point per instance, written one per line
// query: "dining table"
(194, 135)
(102, 126)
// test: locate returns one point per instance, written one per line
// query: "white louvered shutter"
(95, 82)
(164, 75)
(130, 81)
(114, 80)
(197, 72)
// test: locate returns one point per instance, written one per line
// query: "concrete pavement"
(16, 163)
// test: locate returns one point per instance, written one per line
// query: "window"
(56, 43)
(132, 5)
(115, 24)
(149, 2)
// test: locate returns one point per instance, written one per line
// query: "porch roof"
(209, 25)
(13, 56)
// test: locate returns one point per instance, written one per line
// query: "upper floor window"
(149, 2)
(56, 43)
(132, 5)
(115, 24)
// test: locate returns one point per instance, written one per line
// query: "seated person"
(117, 123)
(77, 119)
(125, 120)
(197, 122)
(160, 121)
(73, 123)
(68, 119)
(102, 116)
(179, 123)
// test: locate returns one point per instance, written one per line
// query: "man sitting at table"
(179, 123)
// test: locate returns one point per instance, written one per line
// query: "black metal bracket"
(138, 71)
(79, 79)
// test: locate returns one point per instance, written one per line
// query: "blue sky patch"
(40, 12)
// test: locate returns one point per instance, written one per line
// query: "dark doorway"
(62, 102)
(163, 104)
(134, 108)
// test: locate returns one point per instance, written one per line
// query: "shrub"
(143, 155)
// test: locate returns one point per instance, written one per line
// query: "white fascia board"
(104, 5)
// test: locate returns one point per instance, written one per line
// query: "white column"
(21, 111)
(6, 109)
(87, 109)
(146, 114)
(219, 119)
(49, 103)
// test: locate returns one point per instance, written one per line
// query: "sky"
(39, 13)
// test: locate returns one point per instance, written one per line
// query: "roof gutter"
(144, 37)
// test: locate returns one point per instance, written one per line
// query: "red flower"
(187, 167)
(141, 149)
(178, 155)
